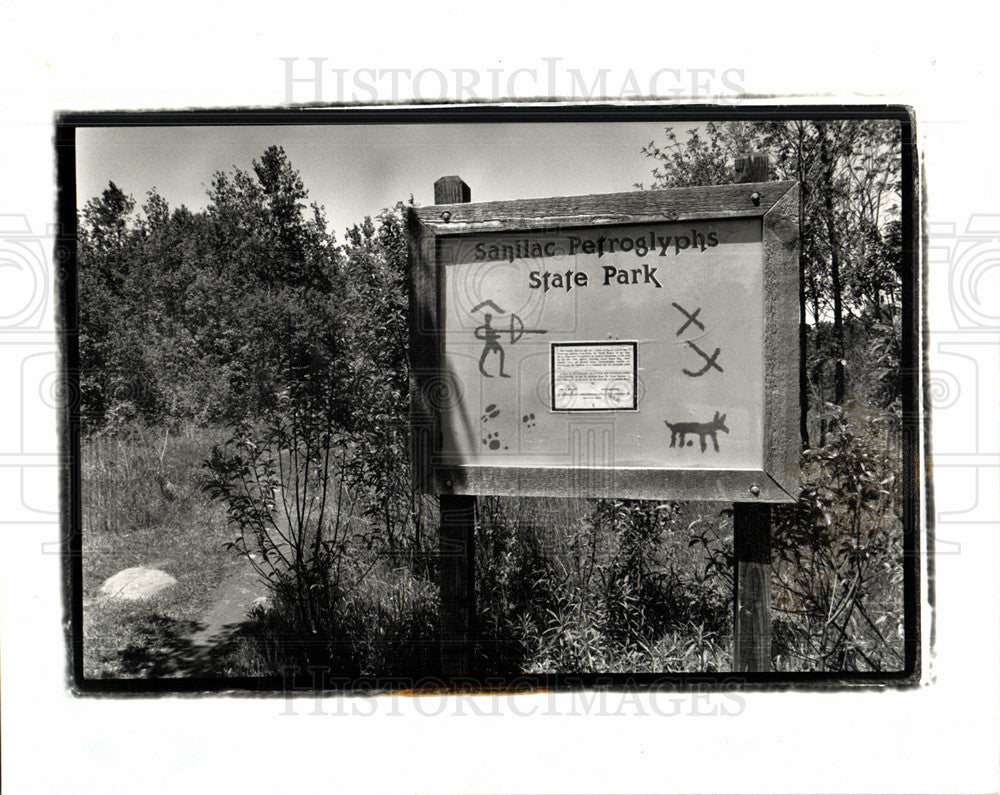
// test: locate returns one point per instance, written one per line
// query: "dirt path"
(201, 651)
(231, 601)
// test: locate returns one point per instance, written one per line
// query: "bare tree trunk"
(818, 347)
(833, 238)
(803, 330)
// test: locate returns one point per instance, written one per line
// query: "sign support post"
(751, 587)
(457, 534)
(752, 536)
(457, 570)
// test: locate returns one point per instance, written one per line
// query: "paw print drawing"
(492, 440)
(528, 420)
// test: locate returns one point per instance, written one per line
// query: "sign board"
(634, 345)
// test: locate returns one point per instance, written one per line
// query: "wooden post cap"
(753, 167)
(451, 190)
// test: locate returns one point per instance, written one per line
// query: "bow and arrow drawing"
(492, 336)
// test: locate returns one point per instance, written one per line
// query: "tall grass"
(562, 586)
(143, 506)
(597, 587)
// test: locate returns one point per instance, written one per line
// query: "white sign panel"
(655, 331)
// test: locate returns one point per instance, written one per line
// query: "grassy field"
(562, 586)
(143, 506)
(551, 581)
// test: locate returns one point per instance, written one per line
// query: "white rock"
(137, 583)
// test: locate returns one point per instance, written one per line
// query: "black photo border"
(915, 448)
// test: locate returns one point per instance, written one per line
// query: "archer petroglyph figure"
(491, 336)
(703, 429)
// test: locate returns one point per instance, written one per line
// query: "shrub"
(838, 551)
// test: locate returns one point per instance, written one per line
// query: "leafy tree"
(375, 298)
(116, 380)
(284, 478)
(262, 235)
(186, 314)
(839, 553)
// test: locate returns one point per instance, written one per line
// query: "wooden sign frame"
(776, 204)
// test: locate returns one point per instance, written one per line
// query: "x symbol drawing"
(692, 317)
(710, 361)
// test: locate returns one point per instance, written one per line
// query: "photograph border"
(915, 426)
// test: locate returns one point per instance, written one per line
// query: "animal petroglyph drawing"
(703, 429)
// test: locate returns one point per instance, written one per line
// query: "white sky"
(358, 170)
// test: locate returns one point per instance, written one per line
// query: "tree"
(186, 314)
(262, 233)
(283, 476)
(116, 381)
(375, 298)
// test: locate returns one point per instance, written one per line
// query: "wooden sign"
(637, 345)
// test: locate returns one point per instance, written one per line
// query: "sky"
(356, 171)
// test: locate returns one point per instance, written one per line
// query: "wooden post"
(753, 167)
(752, 534)
(451, 190)
(457, 542)
(752, 586)
(457, 548)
